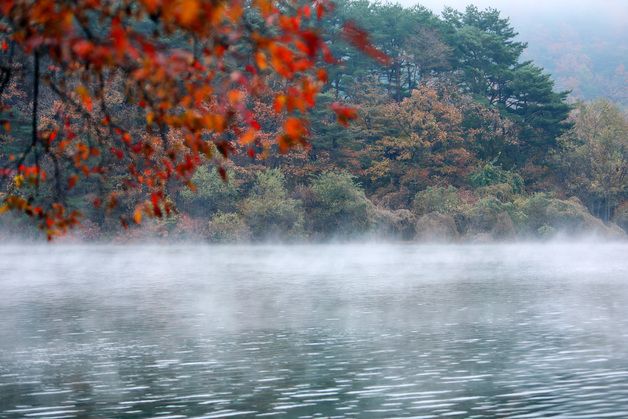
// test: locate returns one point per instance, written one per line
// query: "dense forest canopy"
(457, 134)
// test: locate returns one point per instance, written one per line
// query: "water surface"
(309, 331)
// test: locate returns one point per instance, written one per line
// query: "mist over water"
(519, 330)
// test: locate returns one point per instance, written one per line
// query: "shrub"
(338, 205)
(212, 194)
(268, 211)
(490, 215)
(438, 199)
(436, 227)
(489, 175)
(534, 210)
(228, 227)
(572, 217)
(621, 216)
(545, 215)
(501, 191)
(392, 223)
(546, 231)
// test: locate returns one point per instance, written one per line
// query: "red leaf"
(82, 48)
(72, 181)
(155, 198)
(294, 127)
(359, 38)
(312, 42)
(118, 35)
(344, 114)
(117, 152)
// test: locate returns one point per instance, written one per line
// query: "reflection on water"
(310, 331)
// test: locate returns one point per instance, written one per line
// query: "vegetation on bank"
(333, 205)
(457, 139)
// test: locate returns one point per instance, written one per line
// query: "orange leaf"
(260, 59)
(294, 127)
(235, 96)
(248, 137)
(280, 102)
(151, 5)
(137, 216)
(188, 11)
(85, 97)
(264, 6)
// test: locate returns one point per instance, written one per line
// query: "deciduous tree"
(150, 89)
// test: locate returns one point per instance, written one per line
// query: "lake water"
(474, 331)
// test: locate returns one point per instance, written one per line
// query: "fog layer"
(377, 330)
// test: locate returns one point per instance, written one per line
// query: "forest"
(455, 137)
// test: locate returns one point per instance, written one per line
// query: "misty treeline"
(587, 57)
(458, 137)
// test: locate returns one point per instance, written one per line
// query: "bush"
(490, 215)
(534, 209)
(438, 199)
(489, 175)
(392, 223)
(501, 191)
(213, 194)
(570, 216)
(438, 227)
(268, 211)
(546, 231)
(621, 216)
(337, 206)
(545, 215)
(228, 227)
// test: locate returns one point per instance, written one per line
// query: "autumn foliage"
(146, 91)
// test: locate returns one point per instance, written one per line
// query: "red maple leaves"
(193, 95)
